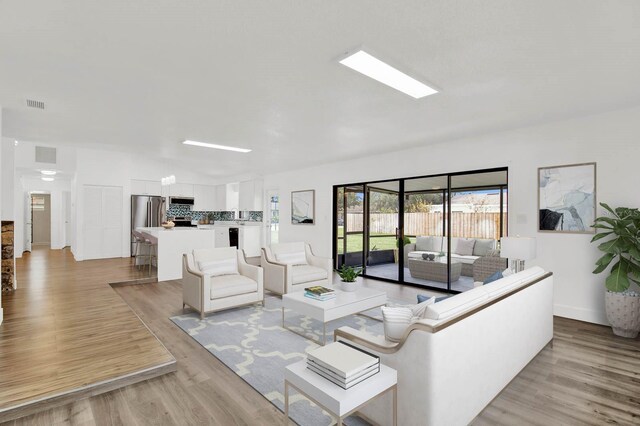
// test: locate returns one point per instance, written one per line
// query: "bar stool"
(141, 241)
(153, 250)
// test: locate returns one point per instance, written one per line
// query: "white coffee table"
(339, 402)
(344, 304)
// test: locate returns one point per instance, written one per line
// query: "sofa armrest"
(250, 271)
(320, 262)
(276, 274)
(195, 286)
(366, 340)
(408, 248)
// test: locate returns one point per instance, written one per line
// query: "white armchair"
(290, 267)
(219, 278)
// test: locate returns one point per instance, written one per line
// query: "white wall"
(112, 168)
(611, 139)
(1, 196)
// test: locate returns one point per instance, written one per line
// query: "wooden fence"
(467, 225)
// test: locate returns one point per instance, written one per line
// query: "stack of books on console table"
(343, 364)
(319, 293)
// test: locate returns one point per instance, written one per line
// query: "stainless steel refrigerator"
(146, 211)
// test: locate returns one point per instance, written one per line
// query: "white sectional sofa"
(454, 362)
(433, 245)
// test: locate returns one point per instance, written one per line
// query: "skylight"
(216, 146)
(372, 67)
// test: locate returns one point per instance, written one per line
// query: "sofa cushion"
(295, 258)
(457, 304)
(482, 247)
(425, 243)
(219, 267)
(307, 273)
(396, 320)
(464, 259)
(464, 247)
(231, 285)
(419, 254)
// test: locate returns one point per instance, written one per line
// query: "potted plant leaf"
(349, 275)
(404, 241)
(619, 239)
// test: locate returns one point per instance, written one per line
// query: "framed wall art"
(567, 198)
(303, 207)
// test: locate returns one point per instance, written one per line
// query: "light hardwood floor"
(66, 333)
(589, 377)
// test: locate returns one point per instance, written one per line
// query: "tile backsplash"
(182, 210)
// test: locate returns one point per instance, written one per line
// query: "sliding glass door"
(425, 231)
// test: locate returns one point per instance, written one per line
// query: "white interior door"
(27, 222)
(102, 229)
(66, 202)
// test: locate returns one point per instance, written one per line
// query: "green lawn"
(380, 241)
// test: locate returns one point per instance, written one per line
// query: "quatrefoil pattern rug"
(251, 342)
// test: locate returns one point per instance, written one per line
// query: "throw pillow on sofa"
(398, 318)
(494, 277)
(465, 247)
(422, 298)
(297, 258)
(483, 247)
(425, 244)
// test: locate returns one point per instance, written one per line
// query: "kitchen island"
(173, 243)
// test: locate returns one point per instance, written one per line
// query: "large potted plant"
(619, 236)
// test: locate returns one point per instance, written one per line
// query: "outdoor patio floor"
(390, 271)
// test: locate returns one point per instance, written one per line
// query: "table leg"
(339, 421)
(324, 333)
(282, 317)
(395, 405)
(286, 402)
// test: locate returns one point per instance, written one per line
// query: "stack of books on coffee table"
(319, 292)
(343, 364)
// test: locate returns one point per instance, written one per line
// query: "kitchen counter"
(173, 243)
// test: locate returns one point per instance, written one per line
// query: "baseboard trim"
(51, 401)
(580, 314)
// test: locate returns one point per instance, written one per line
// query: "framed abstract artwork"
(567, 198)
(303, 207)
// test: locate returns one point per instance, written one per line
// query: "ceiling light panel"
(216, 146)
(47, 179)
(48, 172)
(374, 68)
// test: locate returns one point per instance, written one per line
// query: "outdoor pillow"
(396, 320)
(494, 277)
(507, 272)
(482, 247)
(296, 258)
(465, 247)
(424, 244)
(219, 267)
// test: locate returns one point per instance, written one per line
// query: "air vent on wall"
(35, 104)
(45, 155)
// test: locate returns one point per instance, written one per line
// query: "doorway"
(273, 217)
(41, 219)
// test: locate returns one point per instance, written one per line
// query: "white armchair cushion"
(231, 285)
(219, 267)
(295, 258)
(307, 273)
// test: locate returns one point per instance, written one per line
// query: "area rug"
(251, 342)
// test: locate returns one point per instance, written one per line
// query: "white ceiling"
(144, 75)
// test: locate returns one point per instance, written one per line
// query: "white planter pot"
(345, 286)
(623, 313)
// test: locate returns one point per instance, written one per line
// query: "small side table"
(340, 402)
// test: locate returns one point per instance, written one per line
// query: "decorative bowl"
(169, 225)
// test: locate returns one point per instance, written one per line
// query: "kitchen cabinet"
(220, 202)
(145, 187)
(204, 198)
(181, 190)
(102, 221)
(250, 195)
(232, 202)
(221, 237)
